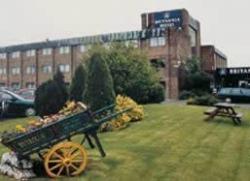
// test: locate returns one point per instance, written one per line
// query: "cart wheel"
(66, 158)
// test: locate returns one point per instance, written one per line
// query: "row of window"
(45, 51)
(65, 68)
(17, 85)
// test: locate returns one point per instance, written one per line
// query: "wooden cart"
(53, 142)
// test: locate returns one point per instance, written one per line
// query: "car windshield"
(225, 91)
(14, 95)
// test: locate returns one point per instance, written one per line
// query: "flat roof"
(217, 51)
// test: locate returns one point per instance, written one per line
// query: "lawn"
(171, 143)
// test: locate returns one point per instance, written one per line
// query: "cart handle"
(110, 107)
(113, 115)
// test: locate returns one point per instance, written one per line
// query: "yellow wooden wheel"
(66, 158)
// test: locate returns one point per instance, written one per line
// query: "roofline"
(219, 52)
(56, 43)
(162, 11)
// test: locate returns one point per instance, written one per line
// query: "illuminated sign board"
(167, 19)
(233, 71)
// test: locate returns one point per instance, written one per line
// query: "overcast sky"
(224, 23)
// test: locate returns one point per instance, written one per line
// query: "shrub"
(184, 95)
(205, 100)
(48, 98)
(193, 78)
(135, 114)
(78, 84)
(100, 91)
(156, 94)
(51, 96)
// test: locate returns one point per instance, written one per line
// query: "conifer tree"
(78, 83)
(100, 88)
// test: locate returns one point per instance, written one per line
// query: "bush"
(184, 95)
(135, 114)
(78, 84)
(194, 79)
(47, 98)
(100, 90)
(51, 96)
(156, 94)
(205, 100)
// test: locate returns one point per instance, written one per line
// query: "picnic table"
(224, 110)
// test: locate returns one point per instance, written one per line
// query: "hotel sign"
(167, 19)
(234, 71)
(239, 70)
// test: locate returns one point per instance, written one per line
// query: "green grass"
(171, 143)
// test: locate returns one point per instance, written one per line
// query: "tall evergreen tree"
(47, 98)
(59, 79)
(51, 96)
(78, 83)
(100, 88)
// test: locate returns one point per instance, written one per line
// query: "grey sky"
(223, 22)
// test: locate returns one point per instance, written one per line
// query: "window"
(192, 34)
(134, 43)
(64, 68)
(30, 85)
(64, 50)
(15, 70)
(158, 63)
(47, 69)
(82, 48)
(2, 84)
(15, 54)
(2, 71)
(3, 55)
(156, 42)
(161, 41)
(31, 69)
(15, 85)
(47, 51)
(67, 68)
(30, 53)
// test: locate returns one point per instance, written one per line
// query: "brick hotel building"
(170, 37)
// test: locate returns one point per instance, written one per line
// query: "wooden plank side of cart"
(51, 134)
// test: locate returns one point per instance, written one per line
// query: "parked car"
(27, 93)
(235, 94)
(14, 105)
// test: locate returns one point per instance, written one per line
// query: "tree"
(131, 71)
(195, 80)
(47, 96)
(100, 88)
(59, 79)
(133, 75)
(51, 96)
(78, 83)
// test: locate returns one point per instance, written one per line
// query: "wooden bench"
(211, 111)
(224, 110)
(239, 115)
